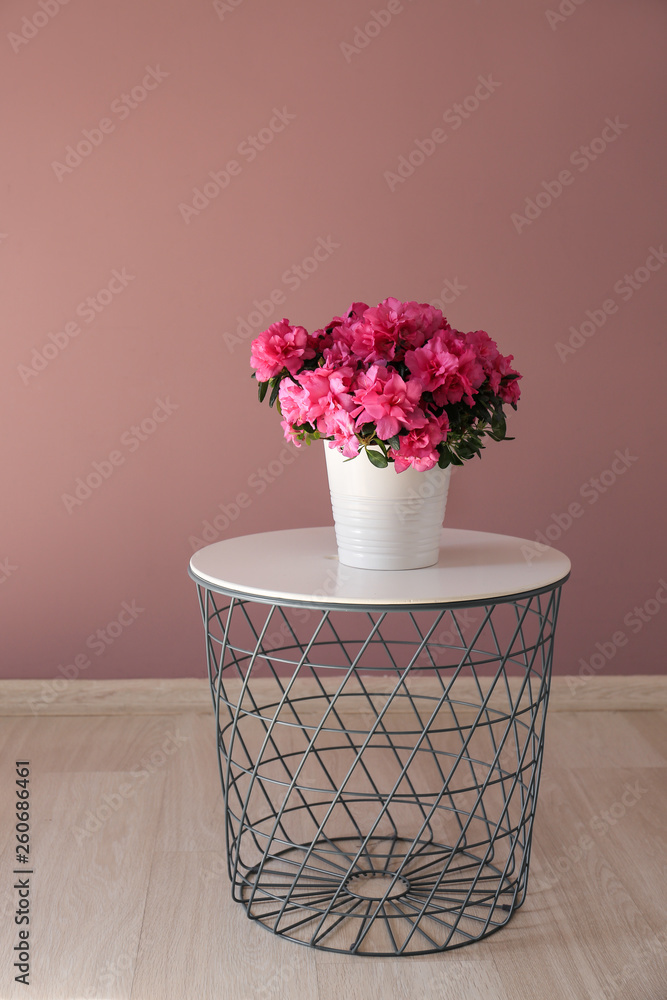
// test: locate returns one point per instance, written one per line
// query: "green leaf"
(444, 461)
(261, 390)
(393, 442)
(274, 391)
(498, 425)
(377, 459)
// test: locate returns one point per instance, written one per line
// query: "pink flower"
(408, 322)
(320, 340)
(417, 448)
(295, 403)
(428, 321)
(469, 375)
(339, 355)
(432, 364)
(330, 392)
(356, 310)
(340, 425)
(371, 368)
(447, 368)
(368, 343)
(496, 366)
(340, 325)
(290, 433)
(281, 346)
(384, 332)
(508, 391)
(485, 348)
(389, 402)
(488, 355)
(319, 394)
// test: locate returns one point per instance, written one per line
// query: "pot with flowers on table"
(399, 397)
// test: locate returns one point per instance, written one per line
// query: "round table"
(380, 734)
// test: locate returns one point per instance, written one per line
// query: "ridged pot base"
(384, 519)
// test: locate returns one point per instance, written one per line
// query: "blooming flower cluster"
(395, 380)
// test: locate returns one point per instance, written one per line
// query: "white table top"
(300, 566)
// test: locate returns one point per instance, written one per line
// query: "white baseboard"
(173, 696)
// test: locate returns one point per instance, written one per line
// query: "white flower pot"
(385, 519)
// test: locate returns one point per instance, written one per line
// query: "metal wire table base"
(380, 770)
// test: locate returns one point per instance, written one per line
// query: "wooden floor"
(140, 908)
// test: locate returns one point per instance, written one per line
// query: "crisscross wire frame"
(380, 769)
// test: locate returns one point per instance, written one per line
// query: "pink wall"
(210, 75)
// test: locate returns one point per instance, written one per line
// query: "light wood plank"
(91, 868)
(624, 811)
(604, 739)
(449, 977)
(203, 946)
(607, 922)
(101, 743)
(537, 956)
(192, 816)
(652, 726)
(141, 907)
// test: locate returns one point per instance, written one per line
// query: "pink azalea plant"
(395, 380)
